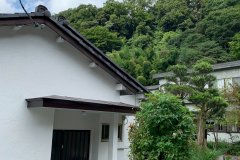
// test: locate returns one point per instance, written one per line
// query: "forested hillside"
(145, 37)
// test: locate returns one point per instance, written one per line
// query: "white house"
(61, 97)
(226, 74)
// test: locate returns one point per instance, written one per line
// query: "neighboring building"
(61, 97)
(226, 75)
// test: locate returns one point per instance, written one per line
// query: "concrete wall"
(32, 64)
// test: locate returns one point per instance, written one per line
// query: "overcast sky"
(55, 6)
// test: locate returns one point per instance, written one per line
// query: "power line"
(35, 23)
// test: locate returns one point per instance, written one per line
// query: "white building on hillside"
(226, 75)
(61, 97)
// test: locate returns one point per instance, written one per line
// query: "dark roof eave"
(61, 102)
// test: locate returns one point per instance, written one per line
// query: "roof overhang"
(69, 34)
(62, 102)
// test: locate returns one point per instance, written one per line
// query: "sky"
(54, 6)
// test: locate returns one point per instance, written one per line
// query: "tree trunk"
(215, 133)
(201, 141)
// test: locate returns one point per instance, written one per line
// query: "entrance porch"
(88, 130)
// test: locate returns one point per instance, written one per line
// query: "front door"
(70, 145)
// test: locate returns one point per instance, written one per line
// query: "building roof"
(216, 67)
(79, 103)
(227, 65)
(43, 17)
(153, 88)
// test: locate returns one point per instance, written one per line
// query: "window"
(120, 132)
(227, 82)
(223, 83)
(220, 127)
(220, 83)
(105, 132)
(236, 80)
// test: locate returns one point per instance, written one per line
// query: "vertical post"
(113, 138)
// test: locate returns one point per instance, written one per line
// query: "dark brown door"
(70, 145)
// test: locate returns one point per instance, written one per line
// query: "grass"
(212, 152)
(204, 154)
(209, 153)
(234, 149)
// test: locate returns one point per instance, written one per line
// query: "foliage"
(195, 46)
(211, 153)
(221, 25)
(159, 134)
(178, 85)
(232, 94)
(197, 153)
(234, 149)
(160, 33)
(107, 43)
(171, 14)
(196, 87)
(226, 148)
(205, 97)
(235, 46)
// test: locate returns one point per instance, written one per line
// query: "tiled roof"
(216, 67)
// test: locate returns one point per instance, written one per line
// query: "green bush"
(220, 146)
(213, 151)
(198, 153)
(163, 129)
(234, 149)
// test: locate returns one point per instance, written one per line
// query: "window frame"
(120, 132)
(105, 132)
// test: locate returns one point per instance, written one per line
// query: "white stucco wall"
(226, 137)
(32, 64)
(230, 73)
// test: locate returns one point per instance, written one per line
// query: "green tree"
(161, 33)
(194, 46)
(104, 39)
(158, 133)
(211, 5)
(221, 25)
(206, 98)
(136, 57)
(82, 17)
(235, 46)
(165, 54)
(171, 14)
(196, 86)
(178, 84)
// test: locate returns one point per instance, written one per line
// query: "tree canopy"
(145, 36)
(196, 86)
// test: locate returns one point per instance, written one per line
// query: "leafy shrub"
(163, 129)
(234, 149)
(220, 146)
(198, 153)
